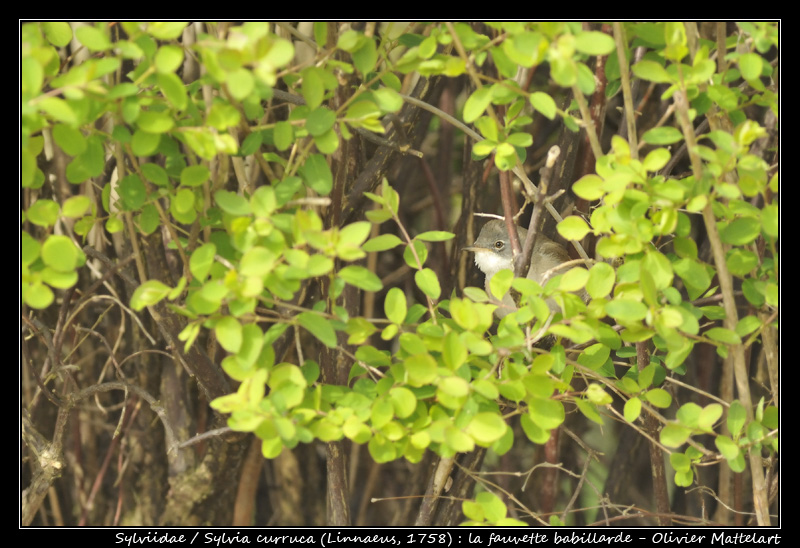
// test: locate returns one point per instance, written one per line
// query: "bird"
(493, 253)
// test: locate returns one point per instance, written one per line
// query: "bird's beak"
(474, 249)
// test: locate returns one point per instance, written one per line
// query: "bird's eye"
(499, 244)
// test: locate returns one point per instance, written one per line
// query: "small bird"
(493, 253)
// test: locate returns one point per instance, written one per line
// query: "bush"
(251, 233)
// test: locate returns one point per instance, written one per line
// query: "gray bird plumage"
(493, 253)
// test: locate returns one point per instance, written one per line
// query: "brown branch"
(436, 485)
(244, 508)
(660, 487)
(540, 199)
(729, 304)
(416, 122)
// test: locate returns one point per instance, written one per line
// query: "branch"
(729, 304)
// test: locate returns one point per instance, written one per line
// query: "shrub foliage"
(243, 240)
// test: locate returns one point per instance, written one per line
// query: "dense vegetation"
(244, 301)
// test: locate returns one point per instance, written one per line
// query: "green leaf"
(520, 139)
(361, 278)
(573, 228)
(454, 352)
(709, 416)
(133, 192)
(648, 374)
(457, 440)
(673, 435)
(476, 104)
(574, 279)
(594, 43)
(601, 280)
(659, 397)
(155, 122)
(60, 254)
(317, 174)
(149, 293)
(328, 142)
(183, 203)
(167, 30)
(747, 325)
(737, 417)
(741, 231)
(771, 417)
(382, 243)
(421, 369)
(75, 206)
(381, 413)
(251, 144)
(564, 71)
(435, 236)
(257, 261)
(29, 249)
(598, 396)
(750, 65)
(675, 37)
(93, 38)
(388, 99)
(769, 220)
(723, 335)
(37, 295)
(240, 83)
(534, 432)
(693, 273)
(665, 135)
(727, 447)
(626, 310)
(595, 356)
(143, 143)
(689, 415)
(741, 261)
(312, 88)
(89, 163)
(173, 89)
(656, 159)
(232, 203)
(403, 400)
(354, 234)
(428, 283)
(57, 33)
(546, 413)
(283, 135)
(229, 333)
(680, 462)
(168, 58)
(381, 449)
(659, 268)
(70, 140)
(365, 57)
(155, 174)
(58, 109)
(651, 71)
(395, 305)
(486, 428)
(201, 260)
(524, 48)
(589, 187)
(318, 326)
(500, 283)
(194, 175)
(320, 120)
(633, 408)
(545, 104)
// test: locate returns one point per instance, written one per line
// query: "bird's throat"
(491, 263)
